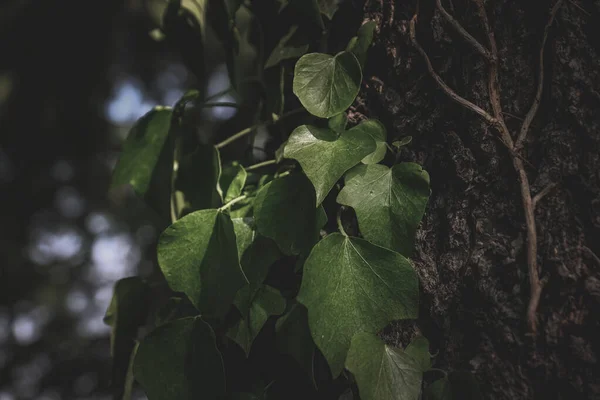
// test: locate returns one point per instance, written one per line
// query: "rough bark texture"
(471, 246)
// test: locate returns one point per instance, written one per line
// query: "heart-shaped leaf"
(256, 253)
(382, 372)
(327, 85)
(232, 181)
(284, 51)
(324, 156)
(180, 360)
(377, 131)
(198, 256)
(285, 211)
(359, 45)
(389, 203)
(266, 302)
(418, 349)
(351, 285)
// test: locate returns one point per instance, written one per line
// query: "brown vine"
(496, 119)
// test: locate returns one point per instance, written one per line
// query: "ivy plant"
(278, 274)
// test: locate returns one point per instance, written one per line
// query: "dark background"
(74, 76)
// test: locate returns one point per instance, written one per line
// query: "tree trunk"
(472, 244)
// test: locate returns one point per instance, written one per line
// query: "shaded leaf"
(328, 7)
(125, 314)
(351, 285)
(293, 337)
(438, 390)
(402, 142)
(359, 45)
(198, 256)
(377, 131)
(174, 308)
(382, 372)
(285, 51)
(266, 302)
(327, 85)
(256, 253)
(197, 179)
(180, 360)
(284, 211)
(338, 123)
(147, 159)
(389, 203)
(324, 156)
(232, 181)
(418, 349)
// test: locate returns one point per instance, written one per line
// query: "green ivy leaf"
(327, 85)
(402, 142)
(351, 285)
(359, 45)
(283, 51)
(180, 360)
(197, 180)
(293, 337)
(338, 123)
(418, 349)
(147, 158)
(377, 131)
(382, 372)
(439, 390)
(266, 303)
(232, 181)
(125, 314)
(285, 211)
(198, 256)
(174, 308)
(256, 253)
(324, 156)
(389, 203)
(328, 7)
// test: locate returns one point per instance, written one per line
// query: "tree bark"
(472, 245)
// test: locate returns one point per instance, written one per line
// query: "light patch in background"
(69, 202)
(219, 82)
(128, 103)
(76, 301)
(171, 83)
(114, 256)
(6, 396)
(98, 222)
(62, 244)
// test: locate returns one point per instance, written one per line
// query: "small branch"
(261, 164)
(451, 93)
(339, 221)
(466, 35)
(543, 193)
(232, 202)
(246, 131)
(538, 95)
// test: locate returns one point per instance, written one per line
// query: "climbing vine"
(298, 261)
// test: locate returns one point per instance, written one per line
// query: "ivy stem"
(248, 130)
(261, 164)
(232, 202)
(339, 222)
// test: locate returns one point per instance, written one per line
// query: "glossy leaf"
(197, 179)
(359, 45)
(198, 256)
(147, 157)
(285, 212)
(256, 253)
(232, 181)
(327, 85)
(382, 372)
(324, 156)
(418, 349)
(180, 360)
(377, 131)
(294, 339)
(439, 390)
(126, 313)
(351, 285)
(267, 302)
(284, 50)
(389, 203)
